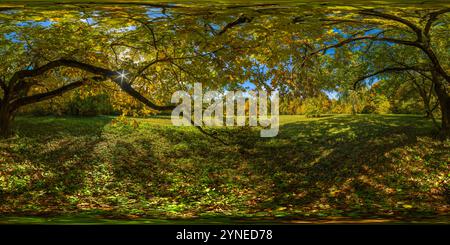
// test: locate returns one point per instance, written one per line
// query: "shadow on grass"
(58, 154)
(315, 169)
(340, 163)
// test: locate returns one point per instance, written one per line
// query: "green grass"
(105, 170)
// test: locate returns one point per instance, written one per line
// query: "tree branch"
(142, 70)
(408, 23)
(354, 39)
(374, 38)
(432, 18)
(150, 29)
(125, 86)
(105, 73)
(45, 96)
(385, 70)
(425, 47)
(3, 85)
(241, 20)
(58, 63)
(102, 72)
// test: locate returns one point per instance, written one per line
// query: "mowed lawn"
(386, 167)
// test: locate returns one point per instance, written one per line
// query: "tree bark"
(444, 102)
(5, 121)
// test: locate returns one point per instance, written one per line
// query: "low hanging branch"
(240, 20)
(62, 63)
(131, 91)
(15, 104)
(385, 70)
(102, 74)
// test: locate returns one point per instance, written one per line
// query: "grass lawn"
(335, 168)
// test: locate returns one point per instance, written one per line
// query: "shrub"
(382, 104)
(315, 106)
(91, 105)
(369, 109)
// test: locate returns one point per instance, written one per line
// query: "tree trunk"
(5, 122)
(426, 103)
(444, 102)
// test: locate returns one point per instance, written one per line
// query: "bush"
(378, 104)
(316, 106)
(383, 105)
(74, 104)
(410, 106)
(369, 109)
(89, 105)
